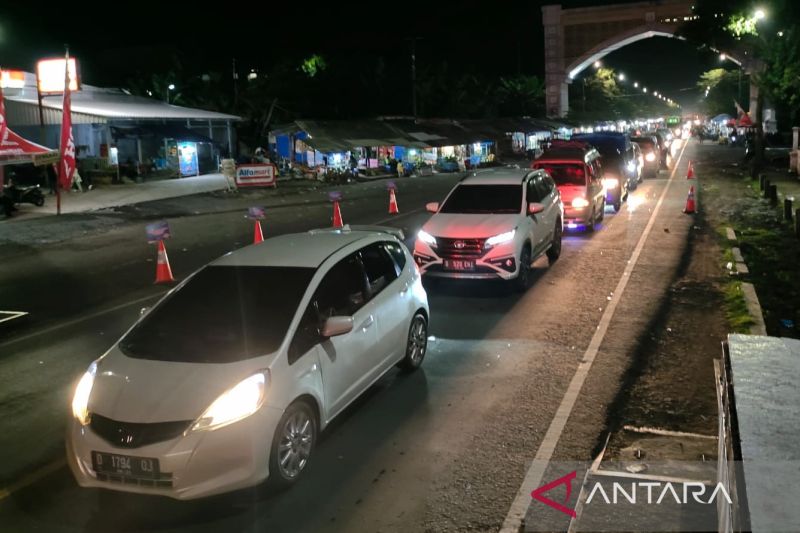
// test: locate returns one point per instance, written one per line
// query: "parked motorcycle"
(25, 195)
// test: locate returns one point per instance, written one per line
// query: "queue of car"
(228, 380)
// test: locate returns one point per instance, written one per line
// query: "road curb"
(754, 308)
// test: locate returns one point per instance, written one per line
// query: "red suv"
(575, 167)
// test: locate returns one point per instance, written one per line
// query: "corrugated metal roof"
(343, 135)
(103, 104)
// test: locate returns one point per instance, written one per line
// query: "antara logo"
(642, 492)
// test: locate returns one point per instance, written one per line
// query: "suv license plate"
(459, 265)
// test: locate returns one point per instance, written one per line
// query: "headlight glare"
(80, 400)
(426, 237)
(610, 183)
(650, 157)
(239, 402)
(501, 238)
(580, 202)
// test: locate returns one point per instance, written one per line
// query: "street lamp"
(170, 87)
(723, 57)
(597, 64)
(760, 14)
(636, 84)
(644, 89)
(621, 76)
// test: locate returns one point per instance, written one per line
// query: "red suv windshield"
(565, 173)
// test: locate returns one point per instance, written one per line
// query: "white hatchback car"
(230, 377)
(492, 225)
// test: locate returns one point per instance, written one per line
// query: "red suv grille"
(460, 248)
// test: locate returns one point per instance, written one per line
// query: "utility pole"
(413, 75)
(235, 77)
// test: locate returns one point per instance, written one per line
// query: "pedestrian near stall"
(399, 168)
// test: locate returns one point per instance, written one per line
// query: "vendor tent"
(15, 150)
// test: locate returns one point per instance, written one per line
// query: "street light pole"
(413, 75)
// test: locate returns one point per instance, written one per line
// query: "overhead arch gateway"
(576, 38)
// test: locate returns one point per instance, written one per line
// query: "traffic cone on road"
(690, 172)
(258, 235)
(337, 215)
(163, 272)
(690, 207)
(393, 210)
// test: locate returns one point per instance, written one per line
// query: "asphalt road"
(444, 449)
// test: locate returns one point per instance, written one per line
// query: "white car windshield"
(492, 199)
(223, 314)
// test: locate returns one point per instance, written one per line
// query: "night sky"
(496, 38)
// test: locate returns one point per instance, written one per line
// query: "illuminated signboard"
(50, 73)
(12, 79)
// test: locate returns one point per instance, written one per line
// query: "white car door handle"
(405, 288)
(367, 323)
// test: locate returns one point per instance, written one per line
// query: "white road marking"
(32, 478)
(533, 478)
(12, 315)
(69, 323)
(399, 215)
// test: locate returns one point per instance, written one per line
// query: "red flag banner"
(66, 167)
(744, 118)
(3, 124)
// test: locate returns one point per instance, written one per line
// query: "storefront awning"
(14, 150)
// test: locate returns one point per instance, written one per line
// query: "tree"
(521, 95)
(721, 88)
(781, 77)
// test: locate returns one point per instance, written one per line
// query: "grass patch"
(770, 249)
(736, 311)
(773, 255)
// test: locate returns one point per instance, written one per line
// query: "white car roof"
(308, 249)
(497, 176)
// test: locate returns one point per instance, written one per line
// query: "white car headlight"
(501, 238)
(236, 403)
(580, 202)
(631, 166)
(80, 400)
(426, 237)
(610, 183)
(650, 157)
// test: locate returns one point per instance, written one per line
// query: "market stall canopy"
(341, 135)
(16, 150)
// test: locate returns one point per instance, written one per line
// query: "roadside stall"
(16, 150)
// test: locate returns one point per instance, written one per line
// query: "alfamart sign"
(257, 175)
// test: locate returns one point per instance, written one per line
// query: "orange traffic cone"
(258, 235)
(690, 207)
(393, 210)
(337, 215)
(163, 272)
(690, 172)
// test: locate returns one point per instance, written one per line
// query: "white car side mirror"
(337, 325)
(535, 207)
(432, 207)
